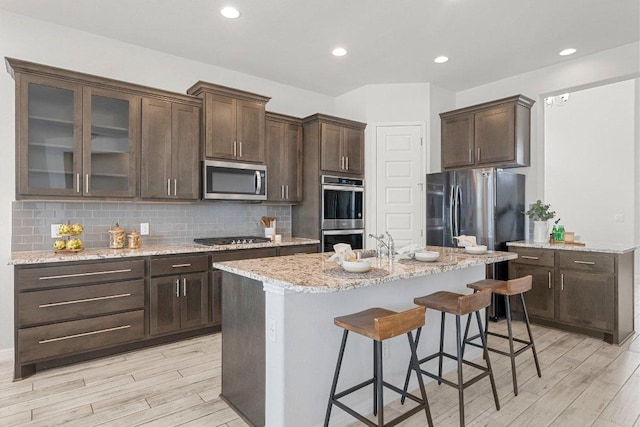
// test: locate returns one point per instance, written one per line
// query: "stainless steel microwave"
(233, 181)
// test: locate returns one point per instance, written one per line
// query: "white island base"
(301, 345)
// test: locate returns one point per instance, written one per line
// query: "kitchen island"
(280, 344)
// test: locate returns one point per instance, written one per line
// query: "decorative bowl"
(359, 266)
(428, 256)
(476, 250)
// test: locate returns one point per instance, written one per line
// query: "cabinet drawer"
(586, 261)
(543, 257)
(243, 254)
(76, 274)
(56, 305)
(45, 342)
(163, 266)
(295, 250)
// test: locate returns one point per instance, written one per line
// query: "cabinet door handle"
(92, 273)
(235, 149)
(184, 286)
(342, 162)
(177, 288)
(84, 334)
(549, 280)
(287, 192)
(282, 191)
(347, 162)
(240, 144)
(562, 281)
(478, 153)
(86, 183)
(585, 262)
(529, 257)
(78, 301)
(77, 183)
(180, 265)
(175, 186)
(168, 187)
(470, 154)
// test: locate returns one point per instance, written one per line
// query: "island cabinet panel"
(585, 291)
(234, 123)
(284, 158)
(170, 150)
(178, 293)
(492, 134)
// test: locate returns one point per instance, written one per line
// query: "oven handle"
(342, 232)
(343, 188)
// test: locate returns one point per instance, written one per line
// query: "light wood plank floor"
(585, 382)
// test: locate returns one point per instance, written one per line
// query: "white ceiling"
(290, 41)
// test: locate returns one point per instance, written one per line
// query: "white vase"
(540, 231)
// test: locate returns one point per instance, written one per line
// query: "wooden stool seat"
(380, 324)
(452, 303)
(503, 287)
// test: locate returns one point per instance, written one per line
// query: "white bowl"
(359, 266)
(427, 256)
(476, 250)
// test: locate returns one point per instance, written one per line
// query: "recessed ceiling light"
(566, 52)
(339, 51)
(441, 60)
(230, 12)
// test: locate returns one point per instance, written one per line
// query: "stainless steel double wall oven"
(342, 209)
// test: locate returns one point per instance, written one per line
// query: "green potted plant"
(540, 213)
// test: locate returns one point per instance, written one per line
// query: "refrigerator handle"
(451, 207)
(457, 205)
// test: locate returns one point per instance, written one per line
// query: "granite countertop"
(41, 257)
(603, 247)
(312, 273)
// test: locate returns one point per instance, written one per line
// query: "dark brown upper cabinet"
(284, 158)
(234, 123)
(170, 150)
(79, 135)
(341, 143)
(495, 133)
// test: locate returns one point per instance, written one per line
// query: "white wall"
(45, 43)
(589, 169)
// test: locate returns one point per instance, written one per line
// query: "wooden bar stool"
(507, 289)
(458, 305)
(380, 324)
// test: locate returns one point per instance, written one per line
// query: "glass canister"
(116, 237)
(134, 240)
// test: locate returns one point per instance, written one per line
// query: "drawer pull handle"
(77, 301)
(562, 282)
(529, 257)
(84, 334)
(92, 273)
(180, 265)
(585, 262)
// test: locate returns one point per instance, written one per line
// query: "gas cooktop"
(235, 240)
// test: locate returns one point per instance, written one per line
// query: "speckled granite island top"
(614, 248)
(42, 257)
(312, 273)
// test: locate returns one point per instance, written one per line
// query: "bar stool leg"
(335, 377)
(415, 366)
(511, 354)
(533, 346)
(486, 356)
(406, 380)
(378, 381)
(375, 378)
(441, 347)
(460, 380)
(466, 333)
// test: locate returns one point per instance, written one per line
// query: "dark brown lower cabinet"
(589, 292)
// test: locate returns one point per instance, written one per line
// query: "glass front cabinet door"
(75, 140)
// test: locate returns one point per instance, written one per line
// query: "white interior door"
(399, 183)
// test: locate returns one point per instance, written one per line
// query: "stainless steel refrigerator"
(486, 203)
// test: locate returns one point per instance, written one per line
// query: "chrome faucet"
(389, 245)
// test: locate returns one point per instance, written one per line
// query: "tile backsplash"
(168, 222)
